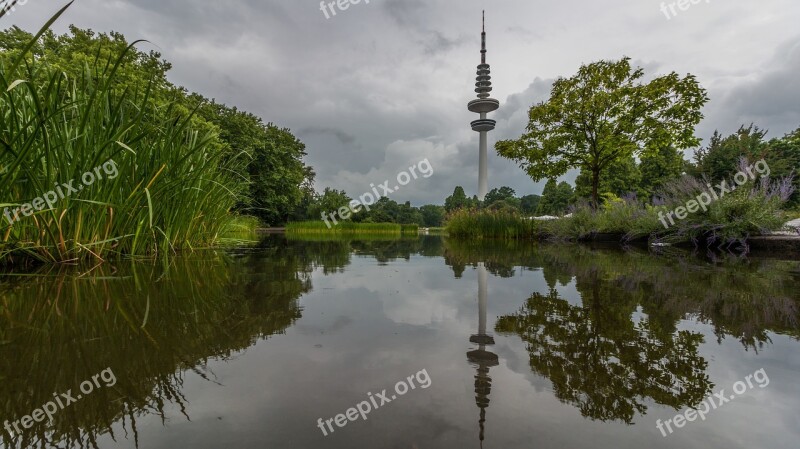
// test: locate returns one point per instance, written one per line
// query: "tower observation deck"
(483, 105)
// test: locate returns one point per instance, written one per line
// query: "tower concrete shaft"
(483, 105)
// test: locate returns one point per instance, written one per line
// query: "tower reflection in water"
(481, 358)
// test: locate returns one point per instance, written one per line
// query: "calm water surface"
(508, 346)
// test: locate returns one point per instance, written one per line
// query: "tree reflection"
(604, 363)
(746, 299)
(618, 344)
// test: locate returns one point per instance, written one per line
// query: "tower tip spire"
(483, 23)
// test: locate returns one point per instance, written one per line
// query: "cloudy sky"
(380, 86)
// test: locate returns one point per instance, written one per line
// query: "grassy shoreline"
(350, 228)
(723, 224)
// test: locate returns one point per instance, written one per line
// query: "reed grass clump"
(409, 229)
(175, 185)
(501, 224)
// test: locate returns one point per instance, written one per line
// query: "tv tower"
(482, 106)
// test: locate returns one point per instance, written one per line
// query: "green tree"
(505, 194)
(329, 202)
(603, 114)
(276, 174)
(407, 214)
(658, 167)
(720, 159)
(783, 159)
(529, 204)
(385, 210)
(458, 200)
(556, 198)
(432, 215)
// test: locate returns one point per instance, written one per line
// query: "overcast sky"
(380, 86)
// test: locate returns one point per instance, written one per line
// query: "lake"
(413, 343)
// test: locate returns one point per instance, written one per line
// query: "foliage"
(555, 198)
(528, 204)
(328, 203)
(601, 360)
(176, 184)
(458, 200)
(271, 184)
(720, 160)
(657, 168)
(505, 194)
(432, 215)
(621, 179)
(753, 209)
(276, 175)
(603, 114)
(278, 178)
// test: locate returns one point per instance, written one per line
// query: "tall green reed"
(176, 183)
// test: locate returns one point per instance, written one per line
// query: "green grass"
(409, 229)
(175, 185)
(349, 228)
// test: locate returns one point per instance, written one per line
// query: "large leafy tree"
(603, 114)
(408, 214)
(277, 173)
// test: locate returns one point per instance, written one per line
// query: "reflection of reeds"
(148, 323)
